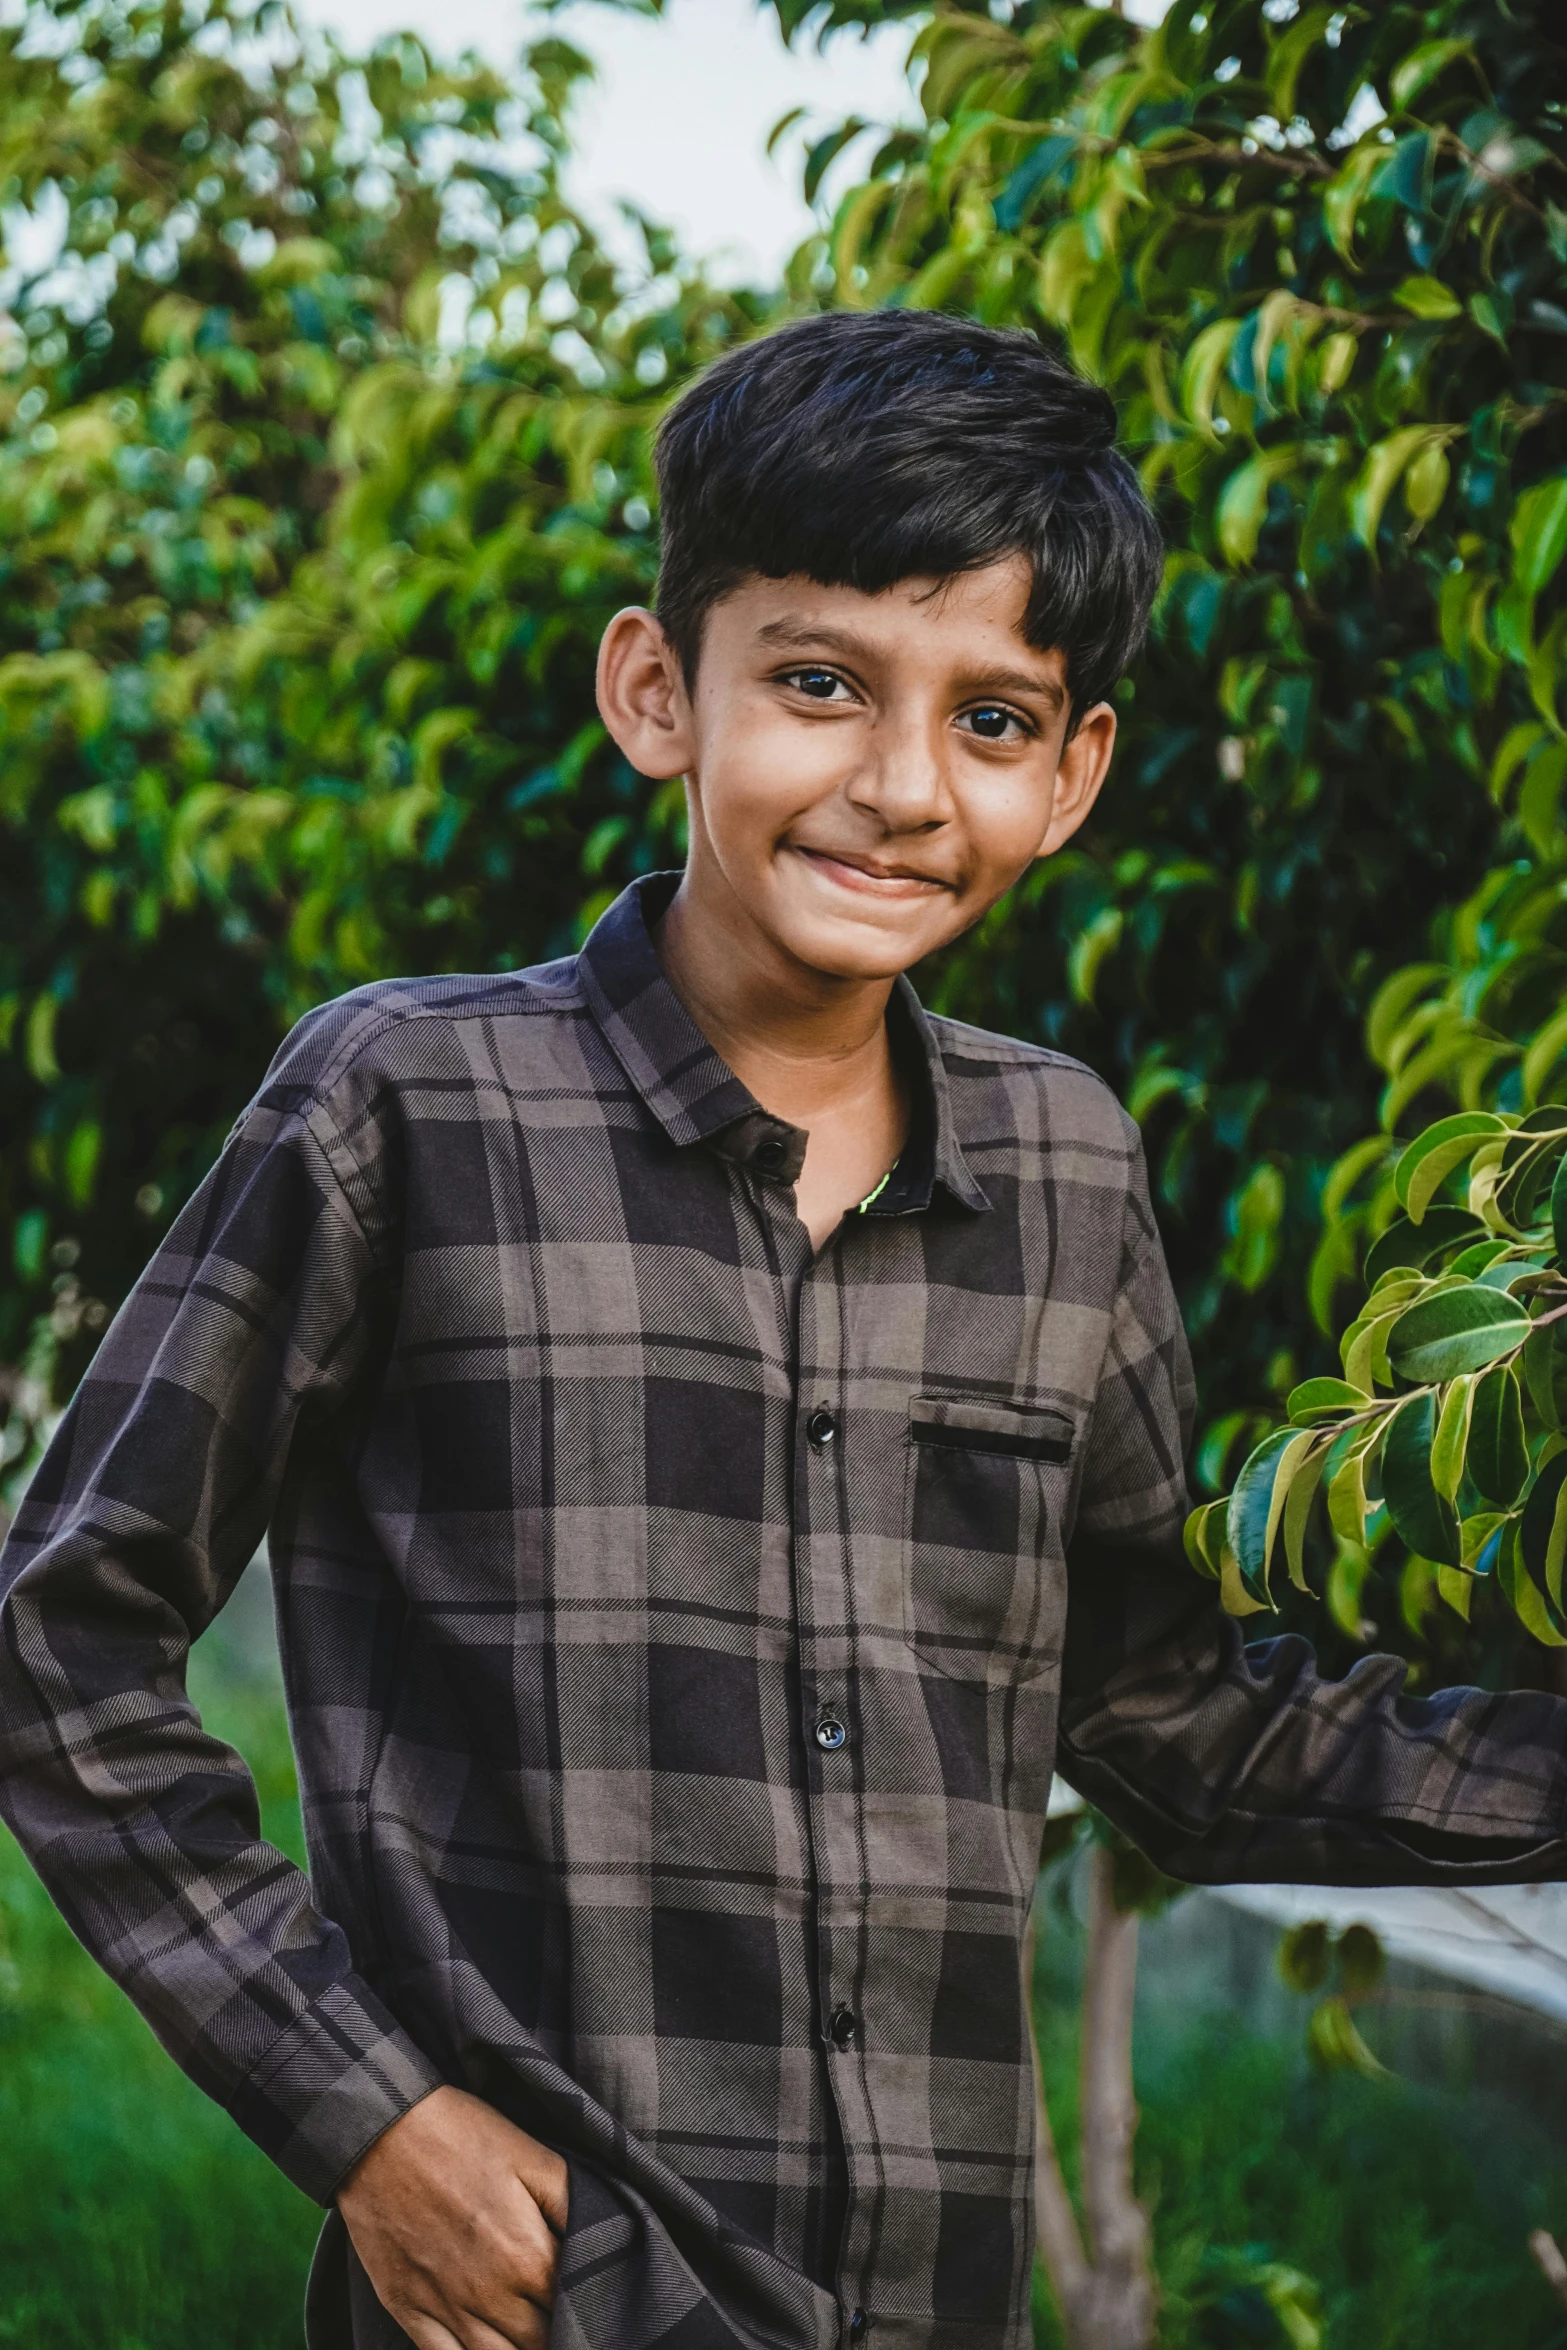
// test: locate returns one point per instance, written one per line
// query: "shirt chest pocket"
(984, 1569)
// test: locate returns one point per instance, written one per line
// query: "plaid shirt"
(680, 1632)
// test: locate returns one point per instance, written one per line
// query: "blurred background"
(332, 340)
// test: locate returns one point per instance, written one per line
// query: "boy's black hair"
(867, 447)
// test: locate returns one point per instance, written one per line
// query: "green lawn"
(134, 2217)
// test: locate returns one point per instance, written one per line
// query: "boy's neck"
(803, 1042)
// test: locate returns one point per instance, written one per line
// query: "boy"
(720, 1434)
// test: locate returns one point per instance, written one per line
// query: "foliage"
(322, 462)
(327, 457)
(1407, 2207)
(1464, 1459)
(1316, 254)
(1311, 1956)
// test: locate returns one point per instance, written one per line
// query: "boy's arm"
(1229, 1763)
(257, 1311)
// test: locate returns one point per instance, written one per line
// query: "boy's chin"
(846, 949)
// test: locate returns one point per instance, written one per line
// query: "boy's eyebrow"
(801, 636)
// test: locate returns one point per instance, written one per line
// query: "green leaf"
(1251, 1519)
(1539, 533)
(1427, 297)
(1509, 1271)
(1421, 1516)
(1477, 1540)
(1288, 54)
(1243, 506)
(1539, 802)
(1433, 1155)
(29, 1240)
(1545, 1372)
(1385, 461)
(1346, 192)
(1334, 2043)
(1412, 73)
(821, 157)
(1456, 1588)
(1347, 1490)
(1426, 482)
(1305, 1957)
(1212, 1461)
(1364, 1346)
(1528, 1163)
(1472, 1262)
(1297, 1512)
(1095, 942)
(1559, 1210)
(1203, 370)
(783, 126)
(1527, 1601)
(1203, 1535)
(1406, 1243)
(1546, 1049)
(1394, 1000)
(1234, 1597)
(40, 1051)
(1498, 1457)
(1346, 1582)
(1033, 174)
(1255, 1214)
(1361, 1963)
(1452, 1437)
(1542, 1530)
(1458, 1330)
(1316, 1400)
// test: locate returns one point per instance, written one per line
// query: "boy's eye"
(820, 684)
(993, 723)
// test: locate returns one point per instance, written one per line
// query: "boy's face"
(866, 774)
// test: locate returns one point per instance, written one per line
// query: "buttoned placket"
(825, 1637)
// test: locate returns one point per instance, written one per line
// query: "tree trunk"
(1104, 2289)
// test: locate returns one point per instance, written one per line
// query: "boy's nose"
(905, 780)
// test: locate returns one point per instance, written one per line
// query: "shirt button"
(842, 2025)
(770, 1155)
(859, 2326)
(821, 1428)
(830, 1734)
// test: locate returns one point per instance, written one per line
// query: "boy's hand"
(456, 2216)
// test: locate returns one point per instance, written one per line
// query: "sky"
(680, 117)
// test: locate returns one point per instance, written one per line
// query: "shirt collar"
(696, 1096)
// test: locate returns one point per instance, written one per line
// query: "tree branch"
(1055, 2222)
(1117, 2223)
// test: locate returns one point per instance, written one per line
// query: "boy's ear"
(1080, 772)
(642, 695)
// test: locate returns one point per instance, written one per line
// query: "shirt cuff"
(329, 2085)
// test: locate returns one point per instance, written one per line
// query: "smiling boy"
(720, 1435)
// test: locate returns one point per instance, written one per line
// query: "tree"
(322, 461)
(1315, 255)
(325, 455)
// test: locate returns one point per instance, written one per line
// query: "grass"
(133, 2216)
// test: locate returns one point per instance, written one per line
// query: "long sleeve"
(1230, 1763)
(257, 1312)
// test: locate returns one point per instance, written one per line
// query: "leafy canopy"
(1317, 254)
(323, 461)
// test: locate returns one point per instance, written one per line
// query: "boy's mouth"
(868, 876)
